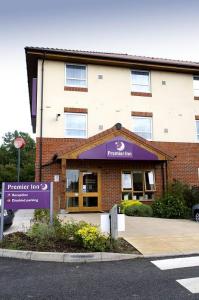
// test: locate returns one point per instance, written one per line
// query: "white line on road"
(191, 284)
(176, 263)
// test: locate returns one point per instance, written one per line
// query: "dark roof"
(120, 56)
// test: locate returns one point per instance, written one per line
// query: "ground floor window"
(138, 185)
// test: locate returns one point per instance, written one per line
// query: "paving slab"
(155, 236)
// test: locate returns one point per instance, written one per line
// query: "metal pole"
(51, 203)
(2, 212)
(18, 164)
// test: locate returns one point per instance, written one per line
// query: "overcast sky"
(157, 28)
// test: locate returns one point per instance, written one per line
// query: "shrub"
(43, 216)
(70, 231)
(42, 232)
(92, 238)
(191, 196)
(170, 206)
(126, 203)
(139, 210)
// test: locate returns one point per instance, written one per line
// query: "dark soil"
(21, 241)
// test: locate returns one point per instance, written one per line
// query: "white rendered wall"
(109, 101)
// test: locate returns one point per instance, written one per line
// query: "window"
(196, 85)
(197, 129)
(138, 185)
(75, 125)
(140, 81)
(76, 75)
(142, 126)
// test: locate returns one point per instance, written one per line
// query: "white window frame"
(74, 85)
(151, 127)
(195, 91)
(86, 127)
(197, 133)
(131, 189)
(132, 84)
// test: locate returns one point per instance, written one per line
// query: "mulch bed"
(20, 241)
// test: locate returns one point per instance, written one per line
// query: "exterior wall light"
(118, 126)
(57, 116)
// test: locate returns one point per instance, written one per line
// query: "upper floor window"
(75, 125)
(142, 126)
(76, 75)
(196, 85)
(140, 81)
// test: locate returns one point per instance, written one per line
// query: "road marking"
(191, 284)
(176, 263)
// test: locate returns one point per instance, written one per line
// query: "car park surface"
(8, 216)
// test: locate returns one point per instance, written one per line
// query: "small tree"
(8, 158)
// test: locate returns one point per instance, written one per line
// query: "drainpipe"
(41, 120)
(163, 176)
(167, 176)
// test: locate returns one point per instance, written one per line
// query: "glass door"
(83, 190)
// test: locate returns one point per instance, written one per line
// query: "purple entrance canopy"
(118, 148)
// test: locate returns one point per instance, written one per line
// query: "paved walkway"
(154, 236)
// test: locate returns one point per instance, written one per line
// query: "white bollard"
(105, 223)
(121, 222)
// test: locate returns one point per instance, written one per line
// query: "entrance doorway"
(83, 190)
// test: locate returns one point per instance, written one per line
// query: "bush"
(43, 216)
(139, 210)
(191, 196)
(170, 206)
(74, 234)
(70, 232)
(92, 238)
(126, 203)
(42, 232)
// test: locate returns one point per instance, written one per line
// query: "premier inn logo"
(120, 149)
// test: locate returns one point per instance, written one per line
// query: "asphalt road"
(132, 279)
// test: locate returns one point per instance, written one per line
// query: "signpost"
(19, 143)
(26, 195)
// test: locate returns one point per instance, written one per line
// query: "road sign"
(26, 195)
(19, 142)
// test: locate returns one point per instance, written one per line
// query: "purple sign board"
(27, 195)
(119, 149)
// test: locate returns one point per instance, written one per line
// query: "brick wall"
(186, 163)
(184, 168)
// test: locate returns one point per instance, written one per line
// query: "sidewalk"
(153, 236)
(159, 237)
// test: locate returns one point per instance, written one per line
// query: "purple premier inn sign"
(119, 149)
(27, 195)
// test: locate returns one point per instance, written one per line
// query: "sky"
(154, 28)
